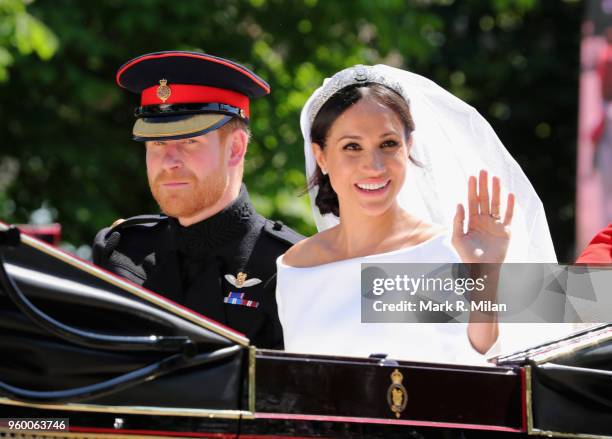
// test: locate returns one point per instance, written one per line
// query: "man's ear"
(238, 141)
(319, 156)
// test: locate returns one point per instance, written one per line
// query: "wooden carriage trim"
(137, 410)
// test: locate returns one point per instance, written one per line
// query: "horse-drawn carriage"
(111, 359)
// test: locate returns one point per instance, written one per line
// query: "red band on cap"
(195, 94)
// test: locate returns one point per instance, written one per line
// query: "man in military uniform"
(210, 251)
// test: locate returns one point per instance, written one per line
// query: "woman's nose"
(374, 162)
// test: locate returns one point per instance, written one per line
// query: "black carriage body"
(219, 386)
(315, 396)
(569, 384)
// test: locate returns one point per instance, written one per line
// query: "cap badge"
(241, 281)
(163, 91)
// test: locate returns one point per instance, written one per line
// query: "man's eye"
(158, 143)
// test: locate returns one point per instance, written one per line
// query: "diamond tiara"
(358, 74)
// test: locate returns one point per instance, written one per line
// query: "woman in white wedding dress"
(388, 153)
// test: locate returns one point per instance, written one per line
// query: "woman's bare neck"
(360, 236)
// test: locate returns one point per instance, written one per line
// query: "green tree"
(67, 125)
(21, 34)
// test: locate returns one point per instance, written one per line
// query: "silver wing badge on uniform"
(241, 281)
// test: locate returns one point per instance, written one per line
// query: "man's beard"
(187, 202)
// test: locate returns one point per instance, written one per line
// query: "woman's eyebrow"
(389, 133)
(358, 137)
(350, 136)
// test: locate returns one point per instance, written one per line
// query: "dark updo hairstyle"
(327, 199)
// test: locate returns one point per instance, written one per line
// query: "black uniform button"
(277, 225)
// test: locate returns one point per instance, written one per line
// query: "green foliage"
(22, 32)
(67, 125)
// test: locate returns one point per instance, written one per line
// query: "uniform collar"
(223, 228)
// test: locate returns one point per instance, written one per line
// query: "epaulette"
(281, 232)
(143, 220)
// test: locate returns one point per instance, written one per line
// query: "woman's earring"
(323, 171)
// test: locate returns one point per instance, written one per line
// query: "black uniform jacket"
(223, 267)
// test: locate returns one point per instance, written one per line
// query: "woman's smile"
(371, 188)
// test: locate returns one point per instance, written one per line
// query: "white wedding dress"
(319, 309)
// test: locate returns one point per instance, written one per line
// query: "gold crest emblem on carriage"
(163, 91)
(397, 396)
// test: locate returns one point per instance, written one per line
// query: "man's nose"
(172, 156)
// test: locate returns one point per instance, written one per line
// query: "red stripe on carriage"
(415, 423)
